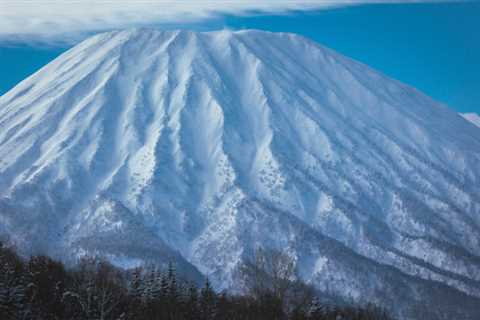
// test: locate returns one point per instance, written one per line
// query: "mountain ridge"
(472, 117)
(196, 143)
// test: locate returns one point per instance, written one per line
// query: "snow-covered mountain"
(472, 117)
(199, 147)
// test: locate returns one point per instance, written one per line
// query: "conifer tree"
(191, 302)
(207, 301)
(12, 285)
(136, 284)
(42, 289)
(172, 284)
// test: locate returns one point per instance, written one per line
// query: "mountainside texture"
(473, 118)
(144, 145)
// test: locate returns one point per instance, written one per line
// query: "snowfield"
(473, 118)
(144, 145)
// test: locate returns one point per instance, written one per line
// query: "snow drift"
(144, 145)
(472, 117)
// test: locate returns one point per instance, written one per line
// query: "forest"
(40, 288)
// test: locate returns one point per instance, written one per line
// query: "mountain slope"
(199, 147)
(472, 117)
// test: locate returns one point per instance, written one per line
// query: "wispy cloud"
(71, 20)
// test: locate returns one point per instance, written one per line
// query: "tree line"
(41, 288)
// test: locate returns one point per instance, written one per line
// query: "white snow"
(149, 145)
(472, 117)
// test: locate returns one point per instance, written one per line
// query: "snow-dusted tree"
(173, 289)
(191, 302)
(96, 290)
(270, 271)
(12, 285)
(46, 282)
(152, 290)
(164, 286)
(110, 292)
(136, 287)
(207, 302)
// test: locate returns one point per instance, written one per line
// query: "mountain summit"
(144, 145)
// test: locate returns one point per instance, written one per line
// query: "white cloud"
(70, 20)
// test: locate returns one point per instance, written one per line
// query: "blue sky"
(434, 47)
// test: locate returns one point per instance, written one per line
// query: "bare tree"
(270, 271)
(96, 290)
